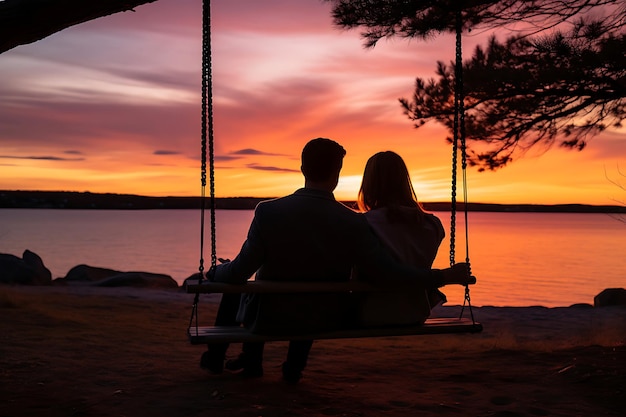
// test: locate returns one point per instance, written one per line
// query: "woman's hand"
(458, 274)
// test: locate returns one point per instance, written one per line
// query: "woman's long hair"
(386, 183)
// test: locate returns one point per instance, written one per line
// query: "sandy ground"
(124, 352)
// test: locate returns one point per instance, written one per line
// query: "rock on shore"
(30, 270)
(27, 270)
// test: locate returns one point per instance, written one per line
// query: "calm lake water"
(520, 259)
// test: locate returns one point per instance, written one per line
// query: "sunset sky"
(113, 105)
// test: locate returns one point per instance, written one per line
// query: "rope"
(207, 137)
(207, 89)
(458, 99)
(459, 139)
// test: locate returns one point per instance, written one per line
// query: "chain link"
(207, 135)
(459, 138)
(458, 98)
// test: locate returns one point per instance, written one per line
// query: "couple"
(309, 236)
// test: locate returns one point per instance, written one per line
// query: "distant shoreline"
(109, 201)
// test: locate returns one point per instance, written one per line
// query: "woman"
(410, 234)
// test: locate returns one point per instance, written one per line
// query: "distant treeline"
(87, 200)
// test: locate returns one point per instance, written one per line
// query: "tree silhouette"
(530, 90)
(524, 92)
(26, 21)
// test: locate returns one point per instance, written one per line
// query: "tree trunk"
(27, 21)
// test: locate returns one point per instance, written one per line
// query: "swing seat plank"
(226, 334)
(268, 287)
(235, 334)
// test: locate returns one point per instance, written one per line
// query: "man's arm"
(382, 268)
(246, 263)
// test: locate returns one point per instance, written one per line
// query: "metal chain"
(203, 139)
(208, 69)
(207, 132)
(455, 139)
(461, 116)
(206, 136)
(459, 137)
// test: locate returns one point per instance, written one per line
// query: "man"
(306, 236)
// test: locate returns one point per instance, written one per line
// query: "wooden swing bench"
(235, 334)
(214, 334)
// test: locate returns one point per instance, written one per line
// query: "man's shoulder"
(306, 197)
(267, 204)
(308, 205)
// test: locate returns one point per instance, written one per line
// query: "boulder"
(35, 262)
(138, 279)
(86, 273)
(28, 270)
(104, 277)
(610, 297)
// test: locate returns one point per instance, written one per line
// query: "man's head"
(322, 160)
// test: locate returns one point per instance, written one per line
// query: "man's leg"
(250, 360)
(213, 359)
(297, 356)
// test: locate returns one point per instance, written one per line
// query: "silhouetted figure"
(305, 236)
(411, 236)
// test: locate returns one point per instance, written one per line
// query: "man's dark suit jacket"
(307, 236)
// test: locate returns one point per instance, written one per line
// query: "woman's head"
(386, 183)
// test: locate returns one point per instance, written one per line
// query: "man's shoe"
(248, 369)
(290, 375)
(235, 364)
(212, 363)
(252, 372)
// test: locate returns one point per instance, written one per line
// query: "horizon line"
(249, 201)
